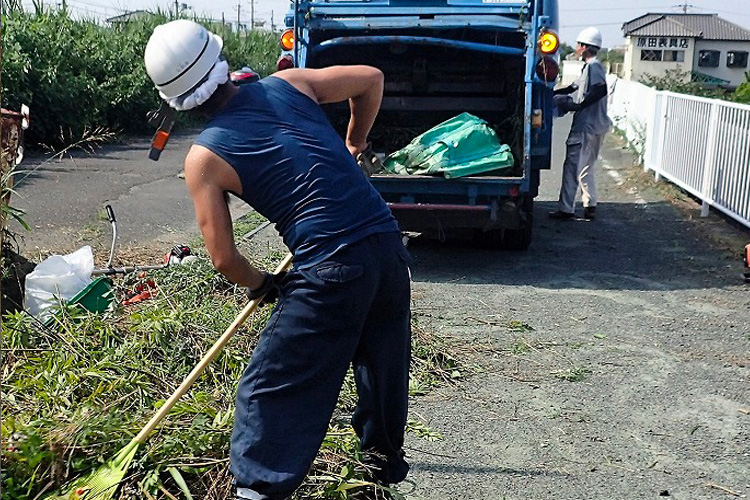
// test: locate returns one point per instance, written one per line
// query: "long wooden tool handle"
(210, 355)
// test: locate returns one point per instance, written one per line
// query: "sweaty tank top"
(296, 170)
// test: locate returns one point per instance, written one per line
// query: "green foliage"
(517, 326)
(611, 56)
(78, 76)
(76, 391)
(681, 82)
(565, 50)
(675, 80)
(742, 94)
(7, 210)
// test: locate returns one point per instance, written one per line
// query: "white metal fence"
(701, 145)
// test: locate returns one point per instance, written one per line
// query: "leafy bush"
(742, 94)
(78, 76)
(680, 82)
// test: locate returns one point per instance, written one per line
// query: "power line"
(620, 23)
(746, 14)
(100, 6)
(612, 8)
(88, 9)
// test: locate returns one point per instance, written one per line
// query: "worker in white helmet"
(346, 300)
(587, 99)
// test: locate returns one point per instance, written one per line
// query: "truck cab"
(495, 59)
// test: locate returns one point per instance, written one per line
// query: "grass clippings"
(78, 389)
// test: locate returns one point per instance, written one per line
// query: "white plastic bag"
(58, 277)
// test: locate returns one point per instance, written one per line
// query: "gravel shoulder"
(613, 356)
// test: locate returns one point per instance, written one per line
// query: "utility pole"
(252, 14)
(273, 27)
(176, 9)
(684, 6)
(238, 17)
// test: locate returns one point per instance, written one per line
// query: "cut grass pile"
(77, 391)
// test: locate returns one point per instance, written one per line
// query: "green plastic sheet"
(463, 145)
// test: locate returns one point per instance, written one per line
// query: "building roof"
(703, 26)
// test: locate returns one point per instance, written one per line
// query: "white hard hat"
(590, 36)
(179, 55)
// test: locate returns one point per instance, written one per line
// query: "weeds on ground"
(76, 390)
(432, 363)
(516, 326)
(574, 374)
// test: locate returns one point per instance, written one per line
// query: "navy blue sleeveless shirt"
(296, 170)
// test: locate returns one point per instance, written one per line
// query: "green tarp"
(463, 145)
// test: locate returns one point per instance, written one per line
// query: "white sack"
(58, 277)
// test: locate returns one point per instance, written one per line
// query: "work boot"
(386, 471)
(589, 213)
(560, 215)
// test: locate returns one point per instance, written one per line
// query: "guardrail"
(701, 145)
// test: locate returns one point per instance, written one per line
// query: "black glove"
(269, 289)
(573, 107)
(369, 162)
(565, 104)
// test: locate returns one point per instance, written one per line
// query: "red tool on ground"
(746, 274)
(142, 291)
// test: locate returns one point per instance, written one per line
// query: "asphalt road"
(611, 360)
(64, 199)
(612, 357)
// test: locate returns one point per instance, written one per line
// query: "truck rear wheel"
(518, 239)
(510, 239)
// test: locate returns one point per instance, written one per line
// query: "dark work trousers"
(352, 308)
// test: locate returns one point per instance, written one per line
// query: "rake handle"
(204, 362)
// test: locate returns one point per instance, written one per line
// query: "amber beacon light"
(287, 39)
(548, 42)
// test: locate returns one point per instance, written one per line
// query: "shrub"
(681, 83)
(742, 94)
(78, 76)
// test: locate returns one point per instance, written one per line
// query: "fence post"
(648, 146)
(710, 162)
(662, 134)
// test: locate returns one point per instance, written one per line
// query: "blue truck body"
(441, 58)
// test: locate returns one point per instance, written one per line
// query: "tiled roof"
(704, 26)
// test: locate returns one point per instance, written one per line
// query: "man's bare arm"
(205, 176)
(362, 86)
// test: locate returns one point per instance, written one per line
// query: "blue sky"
(574, 14)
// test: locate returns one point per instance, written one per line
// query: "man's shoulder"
(595, 65)
(204, 166)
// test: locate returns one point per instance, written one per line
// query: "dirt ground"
(613, 356)
(610, 361)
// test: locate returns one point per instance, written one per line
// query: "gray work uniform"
(590, 125)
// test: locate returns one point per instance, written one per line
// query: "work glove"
(269, 290)
(369, 162)
(565, 104)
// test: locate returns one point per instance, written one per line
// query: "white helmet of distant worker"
(179, 55)
(590, 36)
